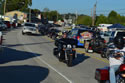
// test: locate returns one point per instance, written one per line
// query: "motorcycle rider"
(64, 34)
(60, 42)
(116, 61)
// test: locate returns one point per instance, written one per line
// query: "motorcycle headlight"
(69, 46)
(64, 46)
(123, 75)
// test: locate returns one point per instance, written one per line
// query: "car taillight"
(1, 40)
(124, 38)
(104, 41)
(78, 37)
(9, 25)
(74, 37)
(90, 48)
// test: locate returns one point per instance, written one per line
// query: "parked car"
(29, 28)
(13, 25)
(8, 24)
(117, 32)
(2, 26)
(106, 35)
(80, 35)
(1, 39)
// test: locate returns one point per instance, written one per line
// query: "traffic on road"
(50, 49)
(72, 42)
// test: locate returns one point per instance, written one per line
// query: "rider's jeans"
(113, 69)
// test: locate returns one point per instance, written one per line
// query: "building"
(18, 15)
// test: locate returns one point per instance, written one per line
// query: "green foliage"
(51, 15)
(17, 4)
(113, 17)
(86, 20)
(101, 19)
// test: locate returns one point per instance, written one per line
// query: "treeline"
(23, 5)
(112, 18)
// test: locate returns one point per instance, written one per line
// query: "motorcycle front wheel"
(103, 81)
(59, 57)
(69, 61)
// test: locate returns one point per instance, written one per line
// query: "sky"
(81, 6)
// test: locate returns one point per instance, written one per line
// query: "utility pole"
(29, 12)
(76, 16)
(94, 14)
(5, 7)
(57, 16)
(29, 15)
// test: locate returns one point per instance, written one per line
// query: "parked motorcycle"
(65, 50)
(107, 50)
(97, 44)
(102, 74)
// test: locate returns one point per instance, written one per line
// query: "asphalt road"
(30, 59)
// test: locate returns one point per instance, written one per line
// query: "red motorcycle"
(102, 74)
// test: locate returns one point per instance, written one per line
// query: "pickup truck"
(1, 38)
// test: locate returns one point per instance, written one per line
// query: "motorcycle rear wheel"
(103, 55)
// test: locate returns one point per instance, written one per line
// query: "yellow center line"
(48, 38)
(100, 59)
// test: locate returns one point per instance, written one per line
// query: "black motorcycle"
(65, 50)
(107, 50)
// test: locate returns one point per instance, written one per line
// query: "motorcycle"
(65, 50)
(107, 50)
(102, 74)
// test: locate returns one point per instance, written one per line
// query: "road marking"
(105, 61)
(49, 65)
(48, 38)
(46, 63)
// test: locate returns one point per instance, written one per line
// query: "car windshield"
(121, 34)
(112, 34)
(107, 33)
(31, 25)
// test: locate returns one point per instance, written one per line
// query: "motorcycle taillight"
(78, 37)
(104, 41)
(90, 48)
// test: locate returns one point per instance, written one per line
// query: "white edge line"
(48, 64)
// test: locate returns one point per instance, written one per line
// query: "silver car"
(30, 28)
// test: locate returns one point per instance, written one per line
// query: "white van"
(103, 27)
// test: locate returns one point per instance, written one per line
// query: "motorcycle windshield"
(68, 41)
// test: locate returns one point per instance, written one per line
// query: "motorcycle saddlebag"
(102, 74)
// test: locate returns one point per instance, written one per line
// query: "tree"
(17, 4)
(101, 19)
(86, 20)
(113, 17)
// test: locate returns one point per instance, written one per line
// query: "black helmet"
(119, 42)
